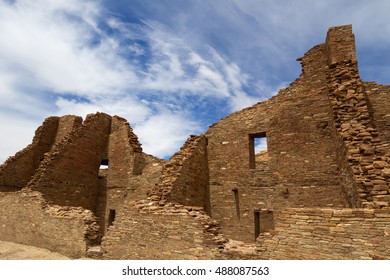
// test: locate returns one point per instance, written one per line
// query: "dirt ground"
(13, 251)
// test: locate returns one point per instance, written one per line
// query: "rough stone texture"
(68, 175)
(328, 234)
(127, 176)
(26, 218)
(328, 148)
(302, 166)
(185, 177)
(161, 227)
(363, 148)
(148, 230)
(18, 170)
(378, 105)
(66, 125)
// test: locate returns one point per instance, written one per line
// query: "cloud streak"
(75, 57)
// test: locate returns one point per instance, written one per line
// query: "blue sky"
(170, 67)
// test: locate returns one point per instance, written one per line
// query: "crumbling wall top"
(340, 42)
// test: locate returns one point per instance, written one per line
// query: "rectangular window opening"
(103, 164)
(258, 148)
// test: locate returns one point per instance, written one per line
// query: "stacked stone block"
(364, 150)
(26, 218)
(307, 233)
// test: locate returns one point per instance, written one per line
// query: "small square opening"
(103, 164)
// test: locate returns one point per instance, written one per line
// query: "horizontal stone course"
(344, 234)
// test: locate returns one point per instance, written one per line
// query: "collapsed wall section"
(18, 170)
(26, 218)
(185, 177)
(68, 175)
(328, 234)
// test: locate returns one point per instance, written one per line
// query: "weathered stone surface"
(26, 218)
(364, 232)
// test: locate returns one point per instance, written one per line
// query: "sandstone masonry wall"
(379, 104)
(18, 170)
(185, 177)
(66, 125)
(130, 172)
(68, 176)
(148, 230)
(328, 234)
(302, 167)
(26, 218)
(363, 148)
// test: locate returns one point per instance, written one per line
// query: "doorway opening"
(111, 217)
(257, 223)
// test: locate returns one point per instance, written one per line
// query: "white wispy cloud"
(164, 132)
(53, 52)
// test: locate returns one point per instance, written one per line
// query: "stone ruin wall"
(312, 128)
(171, 222)
(66, 125)
(18, 170)
(185, 177)
(321, 234)
(68, 176)
(302, 166)
(379, 104)
(129, 176)
(116, 176)
(366, 152)
(26, 218)
(67, 173)
(148, 230)
(328, 147)
(360, 112)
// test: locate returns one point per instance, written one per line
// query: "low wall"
(150, 231)
(26, 218)
(328, 234)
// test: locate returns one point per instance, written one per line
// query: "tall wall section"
(68, 175)
(130, 173)
(171, 222)
(18, 170)
(379, 104)
(363, 147)
(302, 165)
